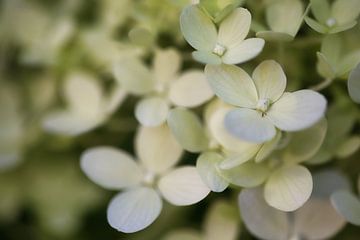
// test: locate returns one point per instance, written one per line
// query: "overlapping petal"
(152, 111)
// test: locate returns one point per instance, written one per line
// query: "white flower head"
(162, 86)
(87, 107)
(262, 105)
(144, 182)
(226, 45)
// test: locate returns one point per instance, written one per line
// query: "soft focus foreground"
(180, 119)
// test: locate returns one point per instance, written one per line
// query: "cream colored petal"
(298, 110)
(270, 80)
(232, 85)
(206, 57)
(347, 205)
(110, 168)
(191, 89)
(183, 186)
(345, 11)
(156, 148)
(244, 51)
(267, 148)
(152, 111)
(234, 28)
(134, 210)
(166, 64)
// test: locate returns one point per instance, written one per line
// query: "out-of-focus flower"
(354, 84)
(87, 106)
(162, 86)
(226, 45)
(261, 101)
(143, 182)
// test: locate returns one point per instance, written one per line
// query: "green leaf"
(207, 166)
(320, 9)
(354, 84)
(188, 130)
(288, 188)
(348, 205)
(316, 25)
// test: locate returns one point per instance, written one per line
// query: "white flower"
(262, 103)
(87, 107)
(144, 182)
(226, 45)
(162, 86)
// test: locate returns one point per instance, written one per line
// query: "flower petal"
(166, 65)
(152, 111)
(206, 57)
(244, 51)
(234, 28)
(345, 11)
(110, 168)
(232, 84)
(354, 84)
(183, 186)
(206, 165)
(270, 80)
(198, 29)
(134, 210)
(298, 110)
(260, 219)
(188, 130)
(156, 148)
(348, 205)
(191, 89)
(288, 188)
(249, 125)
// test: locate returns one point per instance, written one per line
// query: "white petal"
(183, 186)
(232, 85)
(298, 110)
(235, 159)
(152, 111)
(348, 205)
(249, 125)
(115, 99)
(267, 148)
(166, 65)
(198, 29)
(234, 28)
(270, 80)
(191, 89)
(206, 165)
(345, 11)
(134, 210)
(68, 123)
(288, 188)
(156, 148)
(260, 219)
(206, 57)
(110, 168)
(244, 51)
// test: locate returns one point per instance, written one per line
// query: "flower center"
(149, 179)
(263, 105)
(219, 50)
(331, 22)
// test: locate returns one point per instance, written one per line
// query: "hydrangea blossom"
(262, 103)
(87, 106)
(162, 86)
(144, 182)
(226, 45)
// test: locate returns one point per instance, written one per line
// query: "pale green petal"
(110, 168)
(354, 84)
(348, 205)
(156, 148)
(183, 186)
(345, 11)
(246, 175)
(166, 65)
(152, 111)
(320, 9)
(305, 144)
(191, 89)
(206, 57)
(316, 25)
(234, 28)
(270, 80)
(249, 125)
(232, 84)
(298, 110)
(324, 67)
(244, 51)
(348, 147)
(348, 63)
(221, 220)
(272, 36)
(267, 148)
(133, 76)
(331, 48)
(260, 219)
(236, 159)
(116, 98)
(134, 210)
(141, 36)
(342, 27)
(182, 234)
(288, 188)
(188, 130)
(198, 29)
(207, 166)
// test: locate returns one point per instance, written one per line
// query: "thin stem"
(324, 84)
